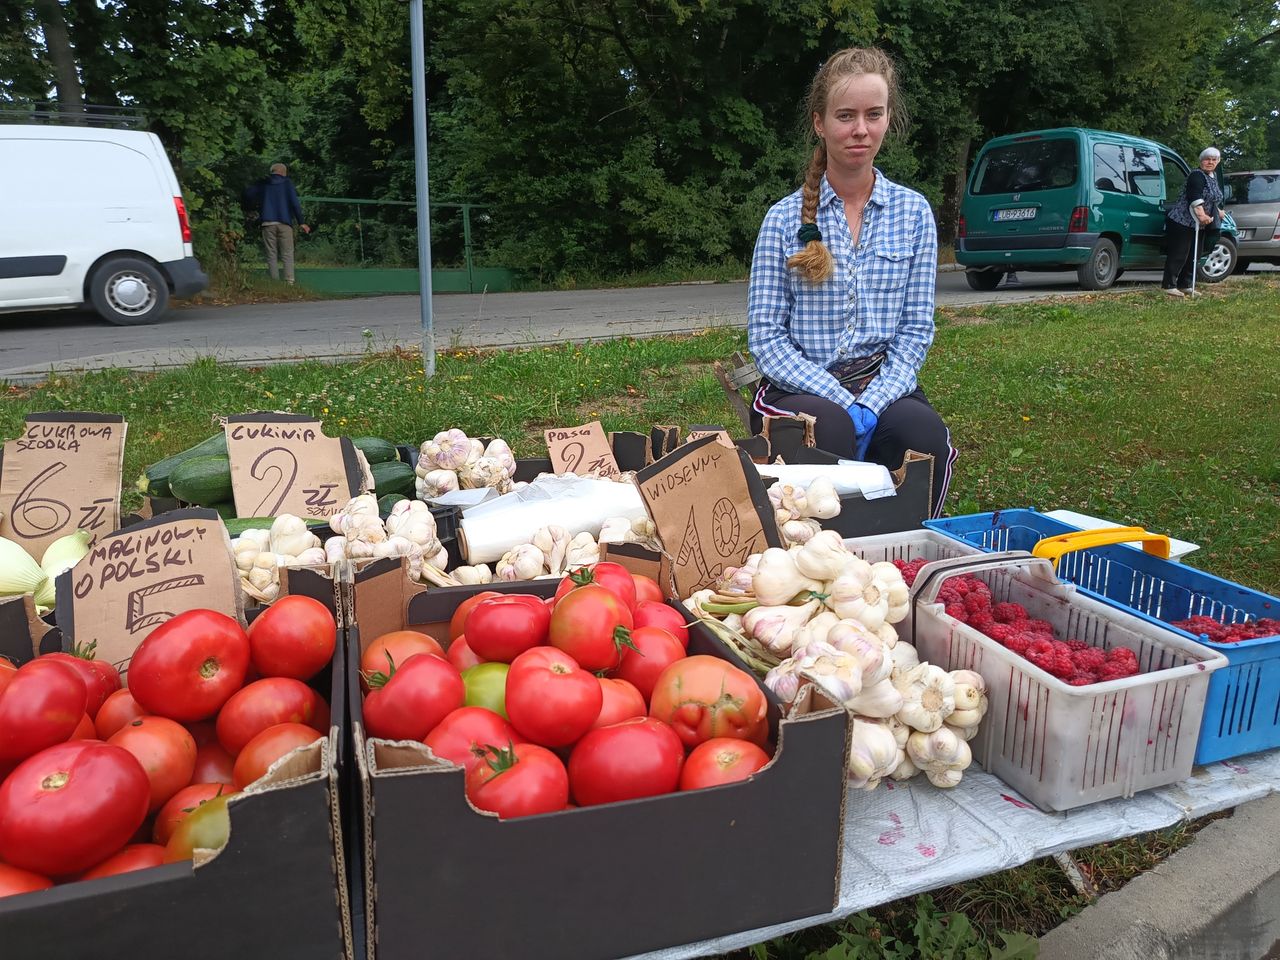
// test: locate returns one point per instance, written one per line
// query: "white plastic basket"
(909, 545)
(1062, 746)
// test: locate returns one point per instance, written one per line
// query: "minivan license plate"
(1016, 213)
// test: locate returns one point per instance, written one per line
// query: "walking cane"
(1195, 251)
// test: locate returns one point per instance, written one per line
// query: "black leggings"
(1181, 261)
(906, 424)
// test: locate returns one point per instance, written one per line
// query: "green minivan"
(1075, 199)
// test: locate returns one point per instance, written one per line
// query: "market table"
(908, 838)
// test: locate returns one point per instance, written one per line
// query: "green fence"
(363, 246)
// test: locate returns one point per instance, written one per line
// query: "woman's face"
(1209, 164)
(855, 121)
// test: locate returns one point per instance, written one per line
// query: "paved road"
(34, 343)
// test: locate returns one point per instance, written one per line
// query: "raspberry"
(980, 588)
(1040, 652)
(1000, 632)
(1009, 612)
(949, 595)
(1113, 671)
(957, 611)
(1090, 659)
(1038, 626)
(1061, 667)
(975, 602)
(1062, 649)
(1122, 655)
(1018, 643)
(1077, 645)
(1082, 678)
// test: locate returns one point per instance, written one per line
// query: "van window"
(1175, 178)
(1023, 167)
(1253, 188)
(1144, 172)
(1108, 168)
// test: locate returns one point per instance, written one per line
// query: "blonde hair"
(814, 261)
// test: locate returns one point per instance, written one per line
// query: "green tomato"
(486, 685)
(207, 827)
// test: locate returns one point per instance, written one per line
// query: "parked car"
(1075, 199)
(92, 216)
(1253, 200)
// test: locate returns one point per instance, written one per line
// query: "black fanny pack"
(855, 375)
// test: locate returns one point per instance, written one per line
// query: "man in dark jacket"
(280, 209)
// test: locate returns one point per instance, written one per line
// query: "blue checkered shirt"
(879, 297)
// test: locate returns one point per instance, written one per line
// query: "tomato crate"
(1242, 712)
(1065, 746)
(595, 882)
(285, 847)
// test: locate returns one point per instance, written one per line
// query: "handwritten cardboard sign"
(581, 450)
(60, 476)
(720, 433)
(133, 580)
(283, 463)
(711, 510)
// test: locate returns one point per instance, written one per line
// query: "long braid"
(814, 261)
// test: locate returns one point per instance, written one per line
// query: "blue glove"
(864, 424)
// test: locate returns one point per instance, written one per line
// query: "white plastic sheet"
(872, 480)
(904, 839)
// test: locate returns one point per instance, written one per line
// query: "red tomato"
(462, 736)
(294, 637)
(268, 747)
(165, 750)
(41, 706)
(518, 781)
(136, 856)
(98, 683)
(461, 655)
(118, 710)
(265, 703)
(502, 628)
(7, 670)
(550, 699)
(189, 666)
(13, 881)
(614, 577)
(704, 697)
(181, 804)
(71, 806)
(622, 701)
(394, 648)
(458, 622)
(419, 693)
(85, 730)
(213, 765)
(202, 732)
(721, 760)
(647, 589)
(652, 651)
(585, 624)
(649, 614)
(640, 757)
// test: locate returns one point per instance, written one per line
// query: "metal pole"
(423, 194)
(466, 245)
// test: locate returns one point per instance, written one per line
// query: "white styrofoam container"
(1062, 746)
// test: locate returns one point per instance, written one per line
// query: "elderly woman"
(1201, 199)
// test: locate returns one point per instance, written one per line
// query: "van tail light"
(1276, 234)
(961, 230)
(183, 223)
(1079, 220)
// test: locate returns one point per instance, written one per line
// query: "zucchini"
(202, 480)
(154, 481)
(226, 510)
(394, 477)
(376, 450)
(386, 503)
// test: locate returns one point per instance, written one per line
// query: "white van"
(91, 215)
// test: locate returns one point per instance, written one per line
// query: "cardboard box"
(860, 517)
(596, 882)
(278, 889)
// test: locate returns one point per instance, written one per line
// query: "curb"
(1218, 897)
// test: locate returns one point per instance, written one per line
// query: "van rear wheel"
(128, 291)
(1101, 269)
(984, 279)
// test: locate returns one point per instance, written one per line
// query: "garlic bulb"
(905, 769)
(941, 755)
(500, 451)
(483, 472)
(583, 551)
(436, 483)
(873, 754)
(335, 549)
(553, 541)
(928, 694)
(795, 532)
(523, 562)
(837, 674)
(815, 629)
(823, 557)
(398, 546)
(777, 581)
(776, 626)
(879, 700)
(888, 636)
(447, 450)
(851, 637)
(784, 680)
(289, 536)
(480, 573)
(365, 505)
(970, 699)
(855, 598)
(822, 500)
(311, 557)
(904, 657)
(413, 520)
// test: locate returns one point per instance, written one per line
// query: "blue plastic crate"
(1242, 712)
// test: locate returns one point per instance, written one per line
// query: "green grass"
(1127, 406)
